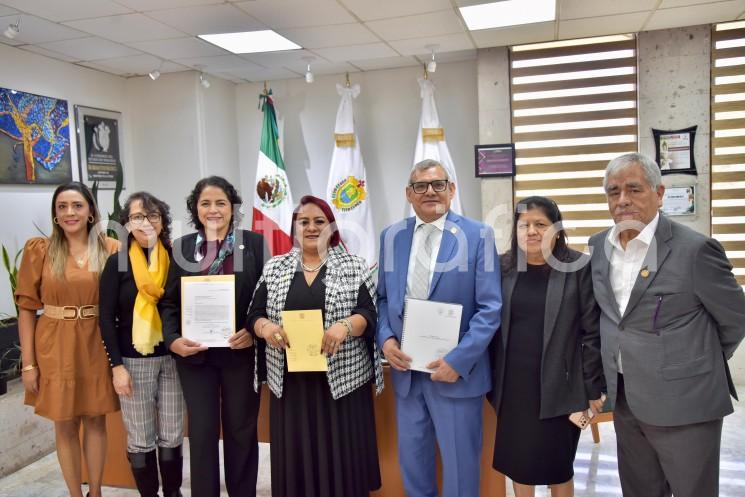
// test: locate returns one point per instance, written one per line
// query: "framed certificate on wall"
(100, 144)
(674, 150)
(679, 201)
(495, 160)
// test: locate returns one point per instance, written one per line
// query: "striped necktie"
(422, 261)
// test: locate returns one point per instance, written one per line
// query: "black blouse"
(117, 294)
(303, 296)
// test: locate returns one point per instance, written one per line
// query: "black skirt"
(527, 449)
(321, 447)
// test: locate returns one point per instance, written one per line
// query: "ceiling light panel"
(251, 41)
(508, 13)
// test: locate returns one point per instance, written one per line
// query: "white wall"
(218, 112)
(166, 137)
(386, 117)
(23, 205)
(183, 133)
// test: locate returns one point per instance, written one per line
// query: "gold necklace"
(80, 261)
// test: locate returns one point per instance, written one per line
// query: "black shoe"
(145, 470)
(171, 464)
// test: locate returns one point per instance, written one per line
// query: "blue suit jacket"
(469, 276)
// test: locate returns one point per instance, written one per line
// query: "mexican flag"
(430, 141)
(347, 191)
(272, 212)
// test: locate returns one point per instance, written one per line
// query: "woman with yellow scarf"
(144, 373)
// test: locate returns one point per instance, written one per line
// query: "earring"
(55, 220)
(91, 219)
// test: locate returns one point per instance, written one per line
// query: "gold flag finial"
(266, 89)
(426, 73)
(347, 82)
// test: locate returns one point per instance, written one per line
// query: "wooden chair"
(599, 418)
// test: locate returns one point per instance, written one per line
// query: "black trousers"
(213, 390)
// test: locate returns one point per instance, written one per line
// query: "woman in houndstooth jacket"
(323, 425)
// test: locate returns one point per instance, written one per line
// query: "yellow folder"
(305, 332)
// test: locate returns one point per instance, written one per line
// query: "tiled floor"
(44, 479)
(596, 466)
(595, 469)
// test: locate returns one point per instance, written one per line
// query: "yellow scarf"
(147, 329)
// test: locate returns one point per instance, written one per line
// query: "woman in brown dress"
(65, 370)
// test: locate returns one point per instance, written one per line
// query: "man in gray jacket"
(672, 313)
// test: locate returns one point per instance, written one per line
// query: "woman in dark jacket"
(217, 381)
(144, 373)
(546, 360)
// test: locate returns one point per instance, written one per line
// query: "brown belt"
(71, 312)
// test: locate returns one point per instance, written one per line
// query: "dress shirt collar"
(645, 236)
(438, 223)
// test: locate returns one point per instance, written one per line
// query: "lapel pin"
(644, 273)
(453, 230)
(241, 246)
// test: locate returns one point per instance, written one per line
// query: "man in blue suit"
(440, 256)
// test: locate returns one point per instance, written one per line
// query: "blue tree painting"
(34, 138)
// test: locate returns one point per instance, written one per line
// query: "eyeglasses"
(138, 219)
(438, 185)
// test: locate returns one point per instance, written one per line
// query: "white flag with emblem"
(430, 141)
(347, 192)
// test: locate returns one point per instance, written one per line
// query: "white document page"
(430, 331)
(208, 309)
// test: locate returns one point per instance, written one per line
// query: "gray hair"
(425, 164)
(649, 166)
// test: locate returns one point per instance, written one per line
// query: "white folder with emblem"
(430, 331)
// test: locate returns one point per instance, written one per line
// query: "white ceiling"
(133, 37)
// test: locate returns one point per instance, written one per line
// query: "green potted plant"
(118, 187)
(10, 350)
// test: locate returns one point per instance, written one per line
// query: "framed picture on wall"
(100, 143)
(674, 150)
(679, 201)
(34, 139)
(495, 160)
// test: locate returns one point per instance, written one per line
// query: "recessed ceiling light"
(251, 41)
(508, 13)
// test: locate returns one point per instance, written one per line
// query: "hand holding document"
(430, 331)
(304, 330)
(208, 309)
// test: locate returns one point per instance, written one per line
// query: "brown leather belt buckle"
(87, 312)
(69, 313)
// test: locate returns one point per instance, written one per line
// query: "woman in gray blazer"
(546, 360)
